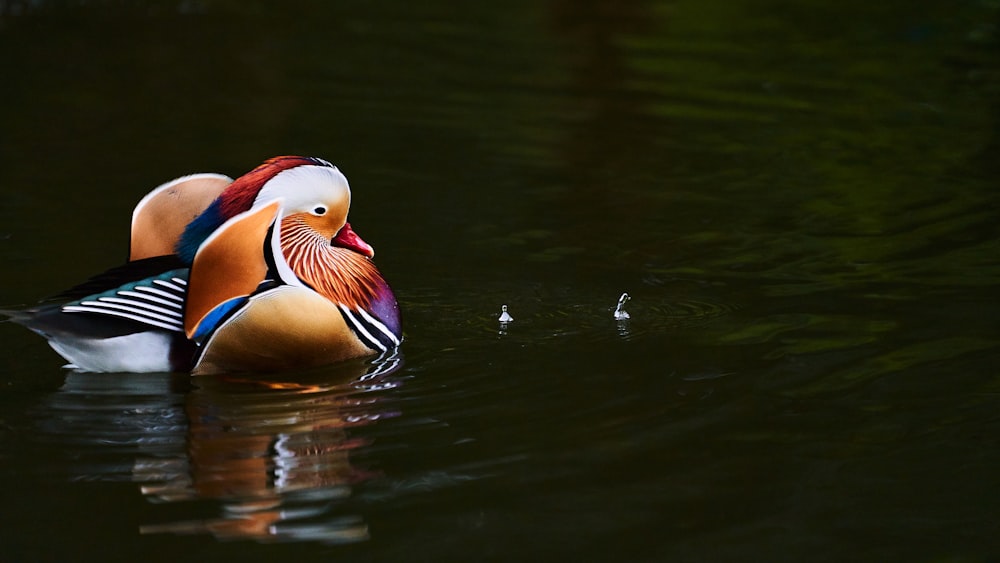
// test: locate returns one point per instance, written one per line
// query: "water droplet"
(620, 313)
(504, 315)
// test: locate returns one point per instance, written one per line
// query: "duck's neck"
(340, 275)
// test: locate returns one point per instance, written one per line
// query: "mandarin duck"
(260, 273)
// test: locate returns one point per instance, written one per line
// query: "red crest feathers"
(240, 195)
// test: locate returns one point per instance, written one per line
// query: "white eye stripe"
(305, 189)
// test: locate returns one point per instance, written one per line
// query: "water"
(800, 199)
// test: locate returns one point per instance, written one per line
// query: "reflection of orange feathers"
(340, 275)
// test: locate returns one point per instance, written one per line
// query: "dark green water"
(800, 197)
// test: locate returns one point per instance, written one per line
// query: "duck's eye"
(319, 210)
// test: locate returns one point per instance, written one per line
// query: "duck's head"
(314, 194)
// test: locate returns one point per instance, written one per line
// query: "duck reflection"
(273, 453)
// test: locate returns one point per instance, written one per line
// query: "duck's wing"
(151, 302)
(159, 219)
(229, 267)
(135, 326)
(155, 301)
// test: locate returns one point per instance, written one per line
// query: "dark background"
(801, 198)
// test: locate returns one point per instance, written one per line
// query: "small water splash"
(504, 315)
(505, 319)
(622, 317)
(620, 313)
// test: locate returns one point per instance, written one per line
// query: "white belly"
(139, 352)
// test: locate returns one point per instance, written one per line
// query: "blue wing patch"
(221, 311)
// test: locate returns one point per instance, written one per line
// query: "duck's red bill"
(350, 240)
